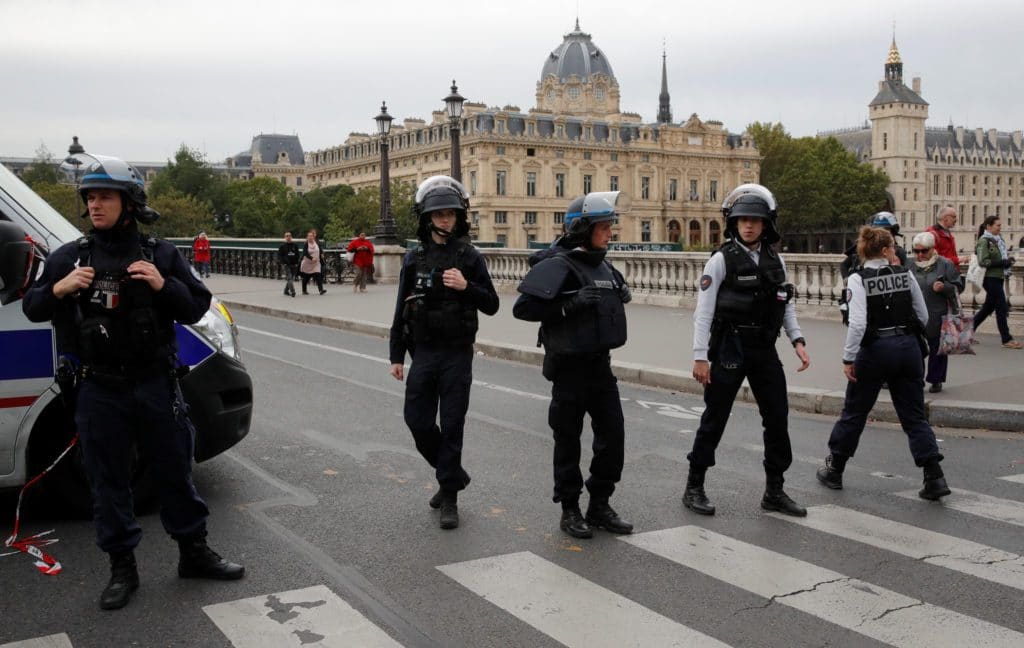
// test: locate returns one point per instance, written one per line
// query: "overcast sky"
(137, 79)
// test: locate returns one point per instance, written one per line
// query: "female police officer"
(744, 301)
(441, 287)
(887, 316)
(578, 296)
(113, 297)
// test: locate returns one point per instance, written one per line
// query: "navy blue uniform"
(128, 393)
(437, 326)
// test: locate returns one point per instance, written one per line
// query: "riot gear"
(18, 262)
(104, 172)
(437, 193)
(752, 201)
(886, 220)
(752, 298)
(433, 313)
(595, 207)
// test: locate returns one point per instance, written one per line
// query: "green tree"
(42, 169)
(64, 199)
(256, 207)
(180, 215)
(189, 174)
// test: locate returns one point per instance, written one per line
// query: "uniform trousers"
(586, 385)
(116, 418)
(759, 363)
(440, 379)
(896, 361)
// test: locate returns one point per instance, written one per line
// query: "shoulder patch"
(705, 282)
(848, 295)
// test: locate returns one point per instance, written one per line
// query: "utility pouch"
(96, 343)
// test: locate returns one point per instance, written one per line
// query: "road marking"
(986, 506)
(51, 641)
(295, 618)
(1014, 478)
(853, 604)
(568, 607)
(964, 556)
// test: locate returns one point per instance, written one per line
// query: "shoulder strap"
(147, 244)
(85, 251)
(575, 269)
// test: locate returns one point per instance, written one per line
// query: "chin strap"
(440, 232)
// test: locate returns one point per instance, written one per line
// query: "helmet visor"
(606, 203)
(747, 190)
(436, 182)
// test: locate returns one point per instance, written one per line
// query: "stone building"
(979, 172)
(523, 168)
(276, 156)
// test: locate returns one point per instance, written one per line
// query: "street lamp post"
(385, 233)
(453, 104)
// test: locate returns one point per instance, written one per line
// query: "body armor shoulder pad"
(545, 279)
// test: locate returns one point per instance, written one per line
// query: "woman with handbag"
(993, 256)
(940, 282)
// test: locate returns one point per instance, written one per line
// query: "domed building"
(522, 168)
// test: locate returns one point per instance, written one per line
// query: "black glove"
(585, 297)
(625, 294)
(1008, 262)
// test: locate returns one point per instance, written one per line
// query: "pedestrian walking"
(578, 297)
(288, 255)
(201, 254)
(441, 287)
(113, 297)
(940, 282)
(994, 257)
(311, 264)
(883, 344)
(743, 303)
(942, 230)
(362, 250)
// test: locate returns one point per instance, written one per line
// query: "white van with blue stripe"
(34, 422)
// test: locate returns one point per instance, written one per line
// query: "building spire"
(894, 64)
(664, 104)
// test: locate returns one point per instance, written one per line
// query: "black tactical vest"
(889, 300)
(435, 315)
(588, 330)
(752, 295)
(120, 326)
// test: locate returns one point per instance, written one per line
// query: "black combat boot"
(124, 579)
(435, 501)
(694, 497)
(775, 499)
(935, 485)
(573, 521)
(449, 510)
(197, 560)
(831, 474)
(601, 515)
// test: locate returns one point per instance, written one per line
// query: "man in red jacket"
(945, 244)
(201, 254)
(362, 249)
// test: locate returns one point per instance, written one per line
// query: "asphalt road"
(327, 492)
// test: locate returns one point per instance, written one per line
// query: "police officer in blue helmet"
(743, 303)
(578, 298)
(443, 285)
(888, 222)
(113, 297)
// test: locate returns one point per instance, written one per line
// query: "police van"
(35, 422)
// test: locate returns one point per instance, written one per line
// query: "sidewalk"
(983, 391)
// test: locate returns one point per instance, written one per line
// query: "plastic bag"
(956, 333)
(975, 273)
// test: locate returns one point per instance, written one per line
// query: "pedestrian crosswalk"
(538, 590)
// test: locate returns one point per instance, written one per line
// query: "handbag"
(975, 273)
(956, 332)
(350, 256)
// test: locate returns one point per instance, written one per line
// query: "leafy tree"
(180, 215)
(190, 174)
(354, 212)
(256, 207)
(65, 200)
(42, 169)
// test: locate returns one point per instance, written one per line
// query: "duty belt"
(893, 331)
(750, 333)
(125, 373)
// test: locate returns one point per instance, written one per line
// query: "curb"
(947, 413)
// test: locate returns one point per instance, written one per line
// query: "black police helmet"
(18, 262)
(437, 193)
(751, 200)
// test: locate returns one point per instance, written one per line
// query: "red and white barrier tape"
(32, 545)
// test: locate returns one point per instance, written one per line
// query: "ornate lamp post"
(453, 104)
(385, 233)
(75, 163)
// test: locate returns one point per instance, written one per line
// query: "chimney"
(916, 84)
(1018, 138)
(960, 136)
(881, 86)
(979, 136)
(992, 138)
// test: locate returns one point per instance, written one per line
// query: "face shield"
(436, 182)
(603, 205)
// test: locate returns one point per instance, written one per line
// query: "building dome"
(576, 55)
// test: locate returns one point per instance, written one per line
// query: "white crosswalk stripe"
(964, 556)
(1014, 478)
(986, 506)
(314, 615)
(52, 641)
(864, 608)
(567, 607)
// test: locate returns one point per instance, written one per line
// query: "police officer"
(441, 287)
(744, 301)
(578, 297)
(885, 220)
(887, 315)
(113, 297)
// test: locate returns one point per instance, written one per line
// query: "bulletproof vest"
(752, 294)
(588, 330)
(889, 300)
(119, 324)
(434, 314)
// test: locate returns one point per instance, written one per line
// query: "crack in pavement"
(890, 611)
(776, 597)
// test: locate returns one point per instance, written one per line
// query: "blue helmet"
(104, 172)
(595, 207)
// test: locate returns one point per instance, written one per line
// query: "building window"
(645, 187)
(587, 155)
(915, 145)
(935, 185)
(502, 240)
(472, 183)
(499, 182)
(915, 193)
(645, 157)
(645, 231)
(615, 157)
(284, 180)
(529, 130)
(746, 164)
(904, 193)
(974, 214)
(713, 191)
(530, 238)
(588, 182)
(476, 218)
(500, 217)
(949, 185)
(574, 92)
(531, 152)
(885, 141)
(499, 150)
(559, 218)
(298, 181)
(913, 219)
(559, 154)
(613, 183)
(531, 218)
(531, 183)
(673, 189)
(961, 185)
(559, 185)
